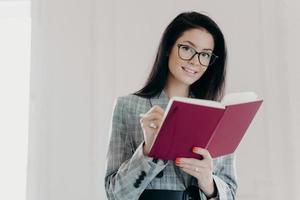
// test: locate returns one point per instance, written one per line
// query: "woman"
(190, 62)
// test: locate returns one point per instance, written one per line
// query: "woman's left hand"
(200, 169)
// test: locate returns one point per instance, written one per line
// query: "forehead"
(199, 37)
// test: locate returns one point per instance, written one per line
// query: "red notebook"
(216, 126)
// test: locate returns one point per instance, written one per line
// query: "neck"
(173, 88)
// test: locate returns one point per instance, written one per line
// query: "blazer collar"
(161, 100)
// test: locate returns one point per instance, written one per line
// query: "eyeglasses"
(185, 52)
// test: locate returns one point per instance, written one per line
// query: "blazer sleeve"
(225, 178)
(128, 170)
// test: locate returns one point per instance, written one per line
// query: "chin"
(188, 82)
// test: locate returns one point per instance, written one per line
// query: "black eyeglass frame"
(212, 59)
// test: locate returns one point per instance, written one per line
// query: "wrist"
(214, 192)
(209, 188)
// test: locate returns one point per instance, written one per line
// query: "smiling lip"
(188, 70)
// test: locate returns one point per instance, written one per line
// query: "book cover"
(217, 127)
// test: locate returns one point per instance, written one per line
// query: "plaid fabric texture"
(129, 172)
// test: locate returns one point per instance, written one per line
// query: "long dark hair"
(211, 85)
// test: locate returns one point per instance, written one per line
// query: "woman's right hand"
(150, 123)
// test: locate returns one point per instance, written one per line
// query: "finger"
(152, 117)
(205, 153)
(153, 124)
(145, 117)
(192, 167)
(191, 162)
(190, 172)
(157, 109)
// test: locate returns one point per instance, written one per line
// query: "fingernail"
(177, 161)
(196, 149)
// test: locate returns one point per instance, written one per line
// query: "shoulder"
(132, 102)
(128, 108)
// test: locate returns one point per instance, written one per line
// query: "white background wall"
(85, 53)
(14, 97)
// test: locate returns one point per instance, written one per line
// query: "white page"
(239, 97)
(204, 102)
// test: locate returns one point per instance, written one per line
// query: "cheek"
(175, 67)
(175, 63)
(203, 69)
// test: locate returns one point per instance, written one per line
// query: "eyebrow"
(191, 43)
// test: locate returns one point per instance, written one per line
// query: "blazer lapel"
(161, 100)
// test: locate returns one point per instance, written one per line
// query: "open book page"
(229, 99)
(239, 97)
(203, 102)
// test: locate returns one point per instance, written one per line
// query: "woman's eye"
(186, 48)
(206, 55)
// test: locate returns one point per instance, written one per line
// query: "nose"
(194, 60)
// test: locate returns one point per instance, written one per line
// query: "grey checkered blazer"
(129, 172)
